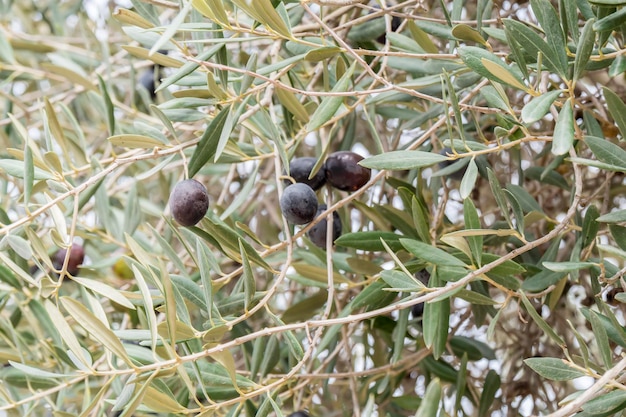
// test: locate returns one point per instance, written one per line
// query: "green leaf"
(263, 12)
(422, 38)
(400, 281)
(617, 108)
(607, 151)
(330, 104)
(617, 335)
(401, 160)
(601, 337)
(590, 225)
(553, 369)
(105, 290)
(370, 241)
(613, 217)
(477, 59)
(611, 22)
(136, 141)
(563, 137)
(608, 3)
(96, 328)
(429, 407)
(468, 33)
(534, 45)
(501, 72)
(18, 169)
(469, 179)
(430, 253)
(171, 28)
(490, 388)
(212, 9)
(584, 48)
(567, 266)
(542, 280)
(610, 403)
(539, 106)
(208, 142)
(472, 221)
(549, 21)
(548, 330)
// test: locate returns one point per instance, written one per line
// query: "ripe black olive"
(189, 202)
(317, 233)
(300, 169)
(77, 256)
(344, 172)
(456, 175)
(423, 276)
(298, 414)
(298, 203)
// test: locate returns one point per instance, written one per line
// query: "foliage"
(520, 226)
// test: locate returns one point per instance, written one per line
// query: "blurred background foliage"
(495, 132)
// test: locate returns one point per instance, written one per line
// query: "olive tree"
(461, 251)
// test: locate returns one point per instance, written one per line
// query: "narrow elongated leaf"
(331, 104)
(563, 137)
(553, 369)
(213, 9)
(617, 108)
(584, 48)
(607, 151)
(541, 322)
(534, 45)
(263, 12)
(549, 21)
(400, 160)
(429, 407)
(208, 142)
(469, 179)
(136, 141)
(606, 404)
(475, 58)
(430, 253)
(96, 328)
(490, 388)
(539, 106)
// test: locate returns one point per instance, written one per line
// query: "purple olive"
(189, 202)
(77, 256)
(344, 172)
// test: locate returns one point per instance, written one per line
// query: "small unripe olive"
(189, 202)
(344, 172)
(298, 203)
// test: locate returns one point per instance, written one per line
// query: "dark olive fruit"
(76, 258)
(423, 276)
(298, 414)
(395, 24)
(146, 79)
(300, 169)
(298, 203)
(458, 174)
(189, 202)
(344, 172)
(317, 233)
